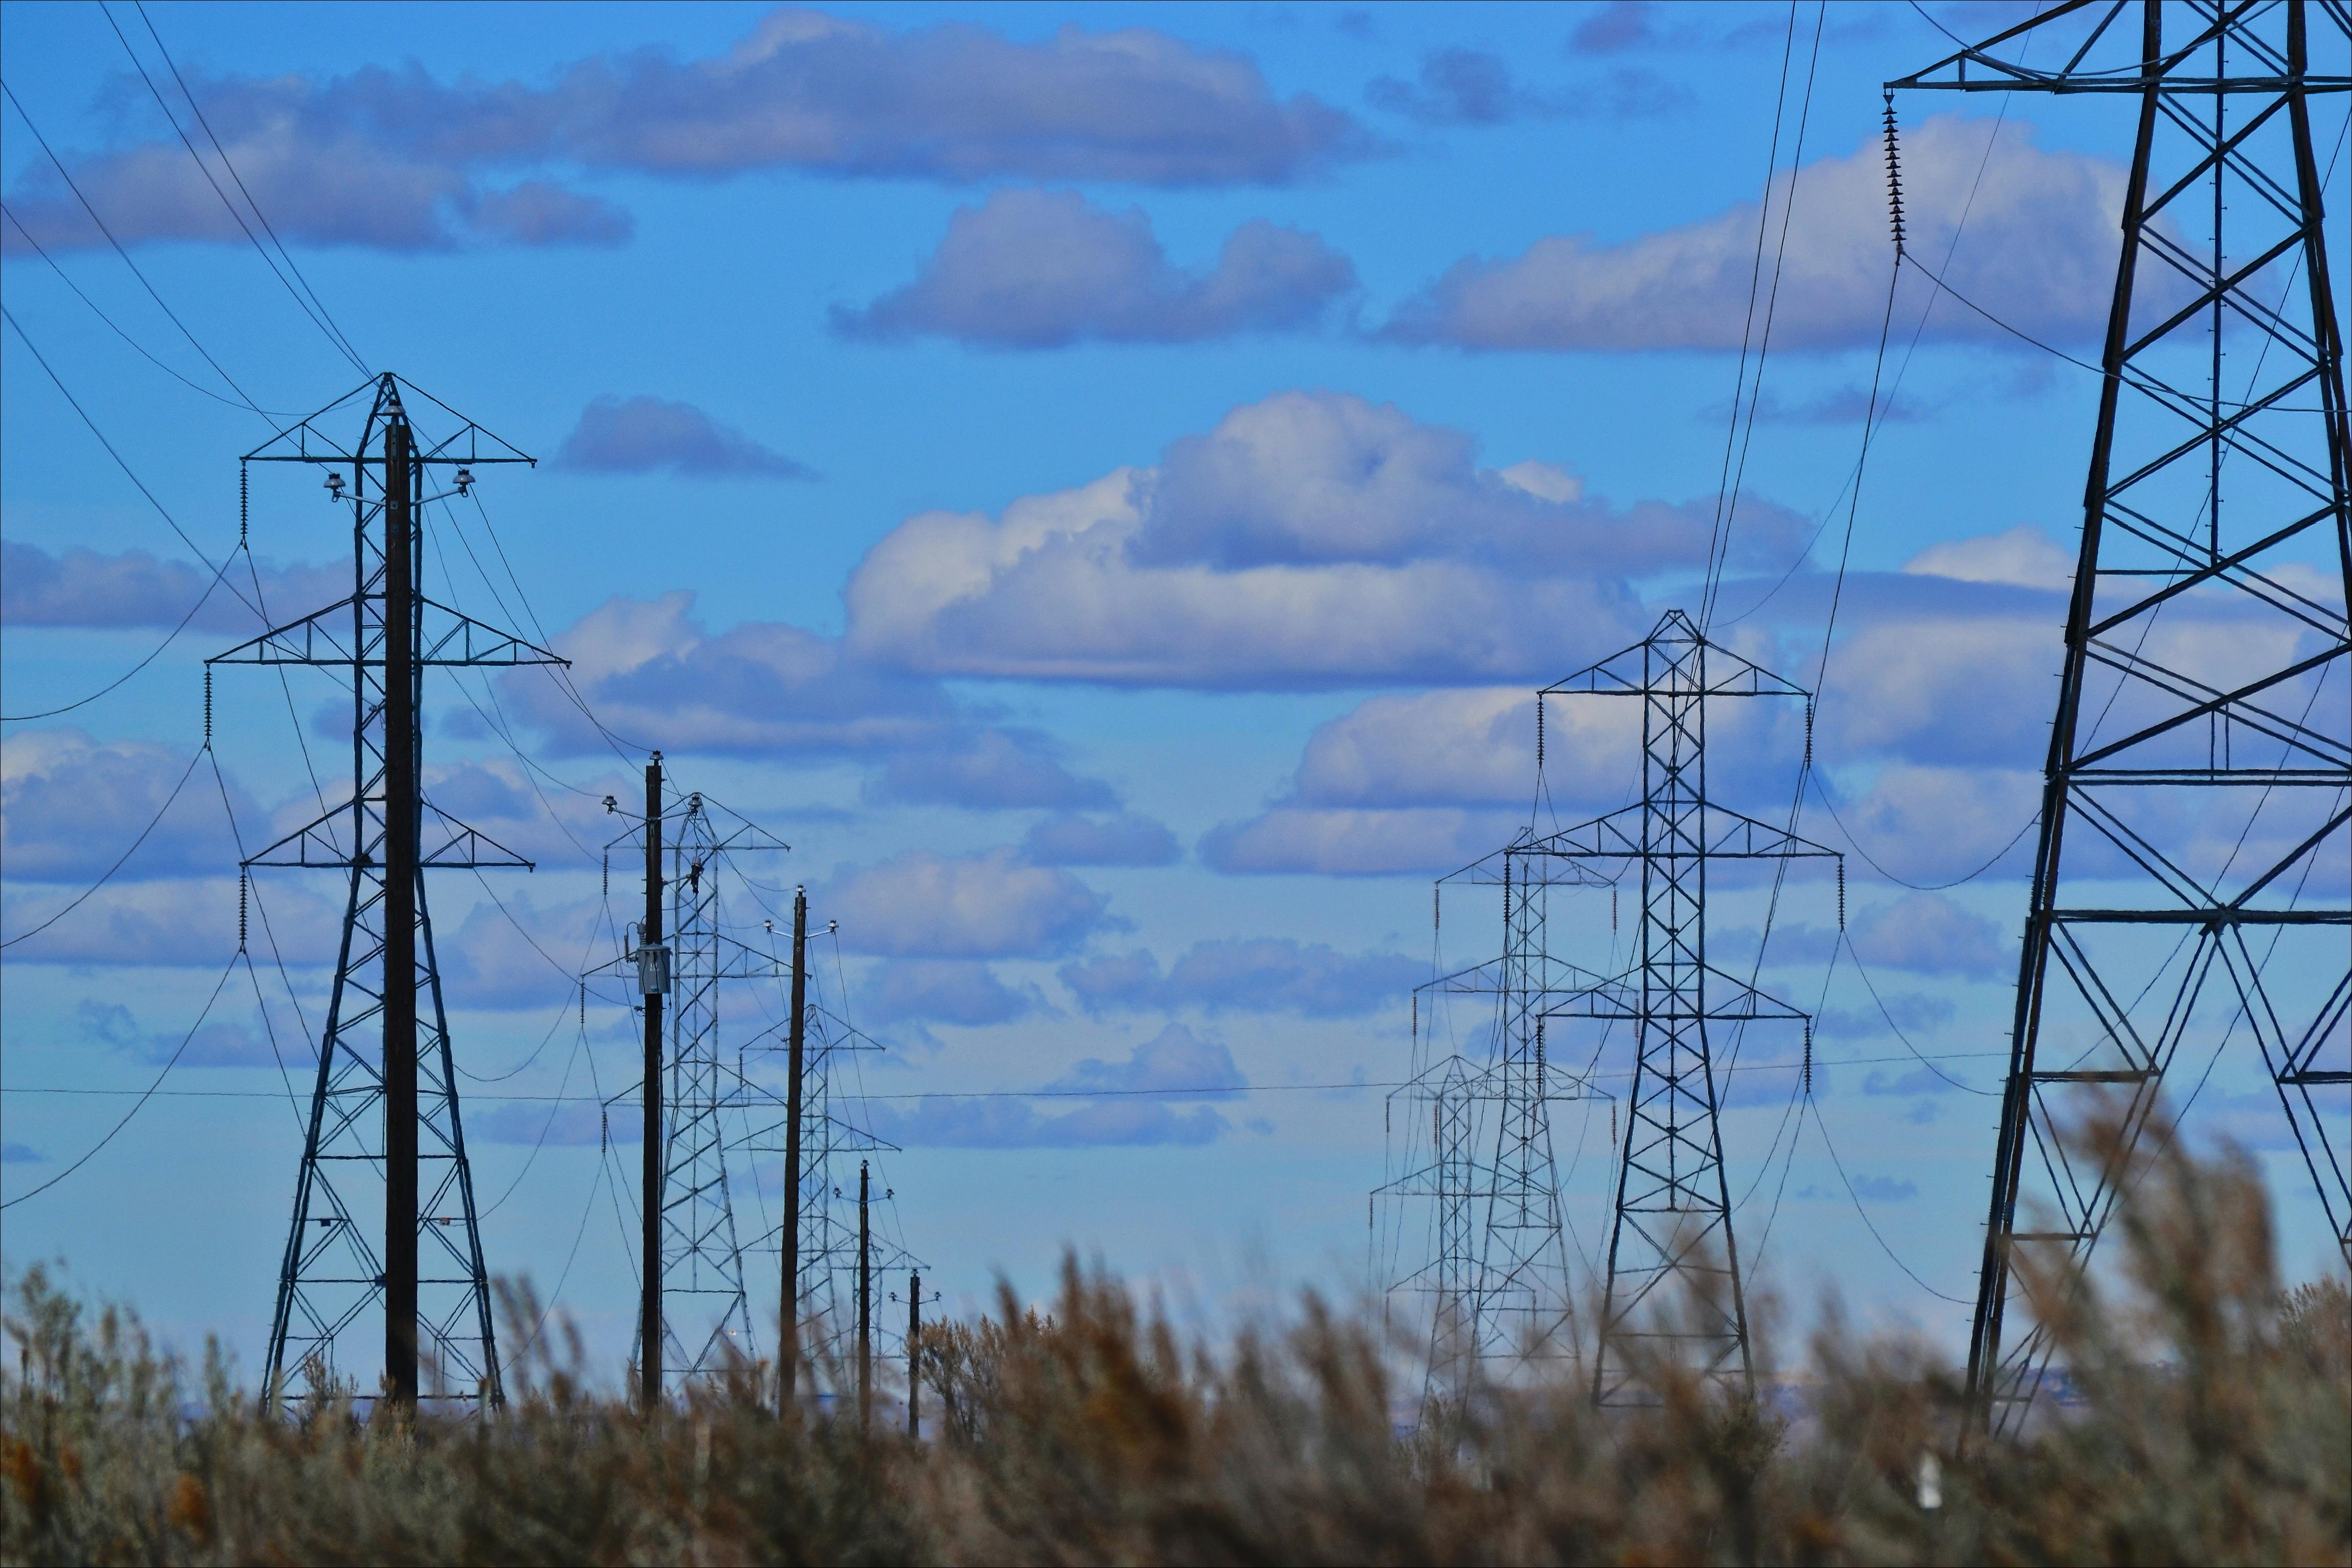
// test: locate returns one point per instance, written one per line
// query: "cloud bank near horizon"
(395, 158)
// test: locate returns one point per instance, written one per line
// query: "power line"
(1931, 21)
(561, 674)
(151, 1091)
(270, 1029)
(2019, 333)
(153, 654)
(285, 685)
(161, 511)
(1727, 500)
(342, 347)
(1896, 1030)
(69, 179)
(247, 890)
(1903, 371)
(578, 1043)
(324, 318)
(1200, 1092)
(41, 251)
(1822, 1128)
(557, 1294)
(1822, 795)
(1755, 281)
(202, 752)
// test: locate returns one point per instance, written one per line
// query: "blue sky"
(1101, 480)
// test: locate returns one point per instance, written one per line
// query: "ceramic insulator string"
(1894, 177)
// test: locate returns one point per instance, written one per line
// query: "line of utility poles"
(656, 972)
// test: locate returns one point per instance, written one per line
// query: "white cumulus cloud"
(989, 905)
(1037, 269)
(2038, 251)
(1311, 538)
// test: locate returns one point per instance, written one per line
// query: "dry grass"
(2216, 1426)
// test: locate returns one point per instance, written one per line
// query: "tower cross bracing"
(2190, 896)
(1672, 1285)
(383, 1224)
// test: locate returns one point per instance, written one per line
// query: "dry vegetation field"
(2214, 1424)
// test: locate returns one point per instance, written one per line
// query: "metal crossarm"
(330, 843)
(1630, 672)
(386, 396)
(1730, 999)
(2106, 61)
(1715, 831)
(341, 635)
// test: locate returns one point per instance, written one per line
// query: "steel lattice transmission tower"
(704, 1115)
(1444, 1099)
(1522, 1300)
(1497, 1276)
(701, 1257)
(830, 1142)
(2189, 886)
(1672, 1225)
(385, 1131)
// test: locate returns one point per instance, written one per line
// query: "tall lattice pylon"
(702, 1260)
(385, 1131)
(2189, 886)
(1672, 1226)
(1497, 1276)
(1522, 1305)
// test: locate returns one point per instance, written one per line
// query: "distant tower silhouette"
(1442, 1100)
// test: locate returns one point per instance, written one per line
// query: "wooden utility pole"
(653, 981)
(914, 1354)
(788, 1242)
(401, 782)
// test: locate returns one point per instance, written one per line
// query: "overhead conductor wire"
(59, 164)
(314, 307)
